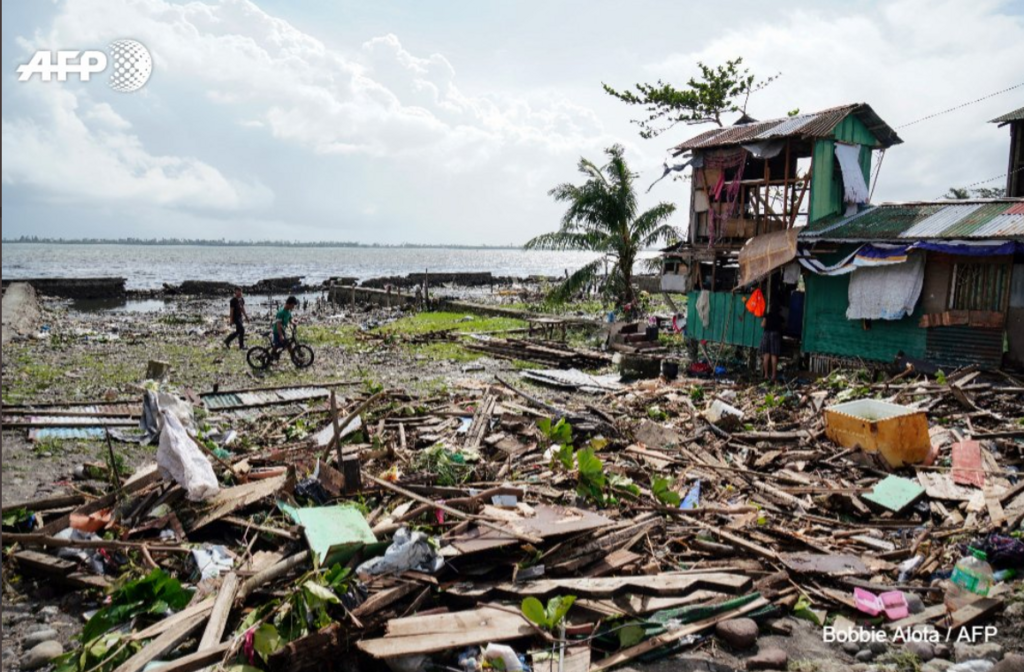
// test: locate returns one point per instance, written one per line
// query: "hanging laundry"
(855, 189)
(886, 293)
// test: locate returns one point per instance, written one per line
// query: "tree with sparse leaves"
(603, 217)
(718, 91)
(963, 193)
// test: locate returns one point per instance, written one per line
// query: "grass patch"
(178, 318)
(26, 376)
(423, 323)
(445, 351)
(327, 336)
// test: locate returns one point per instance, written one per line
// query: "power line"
(961, 105)
(991, 179)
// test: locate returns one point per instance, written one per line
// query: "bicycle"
(261, 357)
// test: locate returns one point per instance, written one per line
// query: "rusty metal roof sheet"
(983, 219)
(815, 125)
(1016, 115)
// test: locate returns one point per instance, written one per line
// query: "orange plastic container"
(898, 433)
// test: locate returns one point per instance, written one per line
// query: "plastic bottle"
(971, 580)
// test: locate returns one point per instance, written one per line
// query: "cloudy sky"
(449, 121)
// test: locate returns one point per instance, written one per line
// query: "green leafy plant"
(663, 492)
(718, 91)
(940, 377)
(591, 481)
(558, 432)
(631, 635)
(564, 456)
(697, 394)
(656, 413)
(551, 616)
(16, 517)
(450, 467)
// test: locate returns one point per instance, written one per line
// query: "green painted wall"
(826, 182)
(826, 329)
(729, 320)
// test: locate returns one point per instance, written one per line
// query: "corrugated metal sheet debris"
(1016, 115)
(956, 346)
(66, 433)
(990, 219)
(233, 400)
(814, 125)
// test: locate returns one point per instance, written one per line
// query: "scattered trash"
(408, 550)
(180, 459)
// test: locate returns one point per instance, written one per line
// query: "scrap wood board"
(821, 563)
(667, 583)
(548, 521)
(440, 632)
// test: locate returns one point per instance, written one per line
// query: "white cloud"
(81, 150)
(906, 59)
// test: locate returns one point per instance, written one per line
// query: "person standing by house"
(771, 341)
(236, 315)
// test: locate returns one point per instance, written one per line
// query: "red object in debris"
(699, 369)
(967, 464)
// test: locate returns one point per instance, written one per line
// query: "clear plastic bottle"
(970, 581)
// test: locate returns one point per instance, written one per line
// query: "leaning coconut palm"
(602, 217)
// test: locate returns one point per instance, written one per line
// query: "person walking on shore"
(236, 315)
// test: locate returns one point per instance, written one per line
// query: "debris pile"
(489, 528)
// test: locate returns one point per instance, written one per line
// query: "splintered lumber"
(978, 609)
(271, 573)
(173, 621)
(830, 564)
(314, 652)
(384, 598)
(221, 610)
(575, 659)
(198, 660)
(638, 605)
(668, 583)
(162, 644)
(674, 635)
(48, 504)
(232, 499)
(440, 632)
(479, 520)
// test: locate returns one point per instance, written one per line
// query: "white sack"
(180, 459)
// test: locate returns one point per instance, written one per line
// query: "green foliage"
(697, 394)
(719, 90)
(298, 430)
(940, 377)
(591, 477)
(802, 609)
(16, 517)
(564, 456)
(771, 401)
(631, 635)
(450, 467)
(558, 432)
(656, 413)
(623, 485)
(603, 217)
(548, 617)
(901, 660)
(427, 322)
(663, 492)
(266, 640)
(154, 593)
(964, 193)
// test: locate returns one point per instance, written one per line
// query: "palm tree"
(602, 217)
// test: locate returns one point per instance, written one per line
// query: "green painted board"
(334, 533)
(729, 320)
(895, 493)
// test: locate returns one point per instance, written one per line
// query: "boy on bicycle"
(282, 322)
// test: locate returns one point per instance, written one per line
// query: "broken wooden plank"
(440, 632)
(162, 644)
(974, 611)
(382, 599)
(829, 564)
(214, 631)
(232, 499)
(673, 636)
(667, 583)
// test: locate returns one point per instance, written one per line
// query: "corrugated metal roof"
(1016, 115)
(66, 433)
(997, 219)
(816, 125)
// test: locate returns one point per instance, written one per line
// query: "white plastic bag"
(180, 459)
(510, 661)
(408, 550)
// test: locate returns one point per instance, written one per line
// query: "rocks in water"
(986, 651)
(41, 654)
(739, 633)
(769, 659)
(1011, 663)
(923, 650)
(38, 637)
